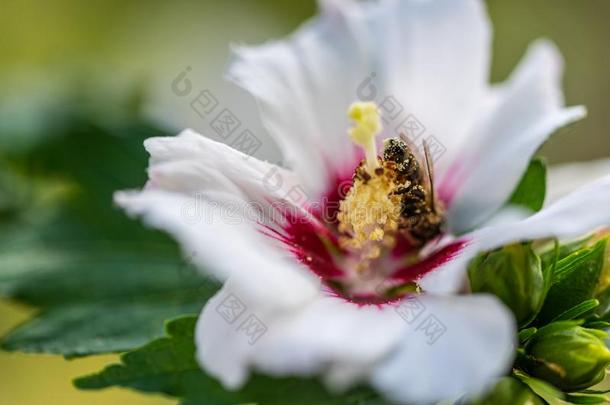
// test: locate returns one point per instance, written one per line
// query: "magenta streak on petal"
(415, 271)
(308, 241)
(451, 183)
(307, 245)
(363, 300)
(339, 184)
(403, 247)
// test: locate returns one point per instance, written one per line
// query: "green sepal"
(546, 391)
(586, 399)
(577, 311)
(526, 334)
(551, 252)
(575, 279)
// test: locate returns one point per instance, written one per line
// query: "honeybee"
(421, 215)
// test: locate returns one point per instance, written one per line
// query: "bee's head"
(395, 150)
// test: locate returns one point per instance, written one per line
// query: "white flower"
(311, 310)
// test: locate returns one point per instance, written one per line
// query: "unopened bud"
(568, 356)
(513, 274)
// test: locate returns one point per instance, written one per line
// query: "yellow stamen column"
(368, 126)
(369, 212)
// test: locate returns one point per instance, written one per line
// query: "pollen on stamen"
(370, 211)
(368, 215)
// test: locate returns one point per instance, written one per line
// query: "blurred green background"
(112, 58)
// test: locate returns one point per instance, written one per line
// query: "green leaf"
(545, 390)
(531, 190)
(525, 334)
(603, 310)
(548, 253)
(578, 398)
(577, 310)
(81, 290)
(594, 391)
(508, 391)
(574, 281)
(61, 261)
(595, 324)
(168, 366)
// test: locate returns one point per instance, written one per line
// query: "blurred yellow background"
(43, 379)
(117, 43)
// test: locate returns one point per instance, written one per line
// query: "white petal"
(565, 178)
(220, 239)
(349, 344)
(304, 87)
(580, 212)
(574, 215)
(332, 335)
(211, 198)
(432, 56)
(525, 112)
(191, 163)
(450, 278)
(456, 345)
(439, 54)
(327, 335)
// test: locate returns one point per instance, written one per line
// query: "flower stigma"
(368, 126)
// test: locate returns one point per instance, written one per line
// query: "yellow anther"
(370, 211)
(368, 126)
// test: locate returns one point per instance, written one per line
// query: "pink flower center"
(314, 239)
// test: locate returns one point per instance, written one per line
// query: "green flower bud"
(568, 356)
(513, 274)
(509, 391)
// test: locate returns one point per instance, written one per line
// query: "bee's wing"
(425, 161)
(429, 177)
